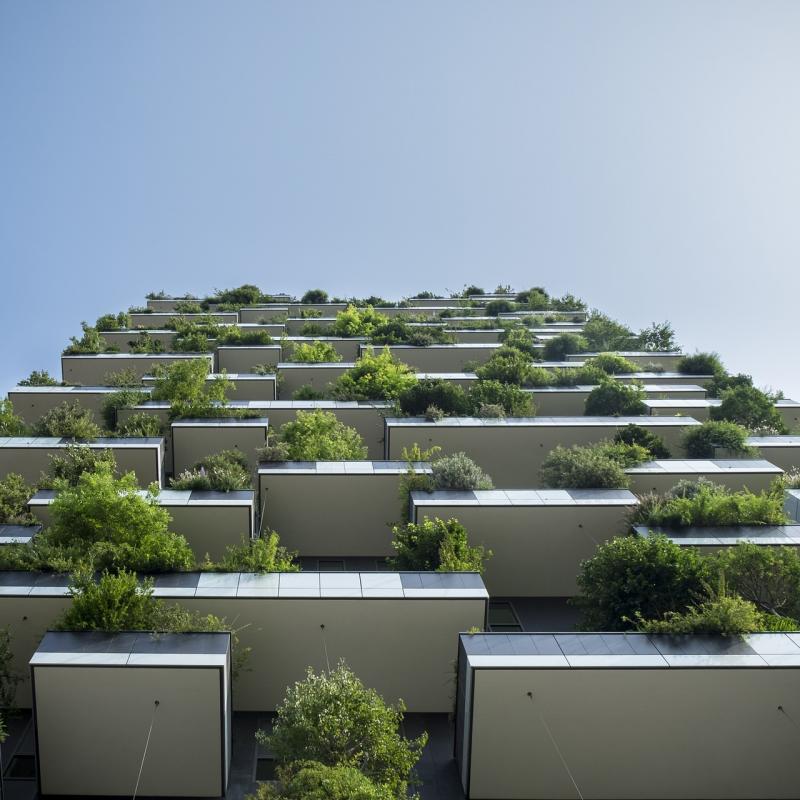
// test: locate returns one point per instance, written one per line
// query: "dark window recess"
(265, 769)
(21, 767)
(331, 565)
(502, 617)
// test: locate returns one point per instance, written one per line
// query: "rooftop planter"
(667, 361)
(117, 679)
(701, 715)
(537, 538)
(159, 319)
(346, 346)
(29, 456)
(782, 451)
(245, 358)
(318, 376)
(333, 508)
(18, 534)
(210, 521)
(33, 402)
(194, 439)
(711, 539)
(512, 450)
(271, 312)
(439, 357)
(92, 369)
(735, 474)
(571, 400)
(396, 630)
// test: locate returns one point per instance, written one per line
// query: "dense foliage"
(264, 554)
(355, 321)
(14, 496)
(310, 780)
(315, 353)
(39, 378)
(10, 423)
(314, 296)
(612, 398)
(141, 424)
(507, 365)
(315, 436)
(68, 420)
(701, 364)
(750, 408)
(374, 377)
(185, 385)
(597, 466)
(227, 471)
(90, 342)
(447, 396)
(613, 364)
(636, 434)
(458, 473)
(559, 347)
(703, 441)
(436, 545)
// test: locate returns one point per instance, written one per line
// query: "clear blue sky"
(643, 155)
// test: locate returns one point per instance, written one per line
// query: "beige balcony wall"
(246, 385)
(91, 370)
(268, 313)
(33, 402)
(125, 339)
(568, 401)
(159, 319)
(667, 361)
(735, 474)
(246, 358)
(782, 451)
(347, 348)
(439, 357)
(193, 440)
(317, 376)
(295, 325)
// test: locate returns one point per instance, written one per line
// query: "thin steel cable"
(557, 749)
(325, 647)
(146, 745)
(789, 717)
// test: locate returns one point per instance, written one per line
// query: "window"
(502, 616)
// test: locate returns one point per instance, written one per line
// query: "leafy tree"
(146, 343)
(374, 377)
(496, 307)
(636, 434)
(90, 342)
(333, 719)
(613, 364)
(257, 555)
(472, 290)
(512, 400)
(316, 436)
(245, 295)
(659, 337)
(68, 420)
(612, 398)
(14, 496)
(459, 473)
(141, 425)
(310, 780)
(74, 461)
(227, 471)
(315, 353)
(722, 381)
(559, 347)
(39, 378)
(628, 575)
(10, 423)
(124, 398)
(314, 296)
(185, 385)
(535, 299)
(444, 395)
(507, 365)
(605, 334)
(567, 302)
(749, 407)
(520, 338)
(436, 545)
(357, 321)
(113, 322)
(703, 441)
(701, 364)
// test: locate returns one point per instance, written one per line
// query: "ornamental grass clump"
(458, 473)
(227, 471)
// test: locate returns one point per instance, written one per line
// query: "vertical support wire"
(146, 746)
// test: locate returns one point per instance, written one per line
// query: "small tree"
(507, 365)
(315, 353)
(436, 545)
(447, 396)
(355, 321)
(39, 378)
(316, 436)
(68, 420)
(314, 296)
(90, 342)
(264, 554)
(750, 408)
(74, 461)
(10, 423)
(374, 377)
(631, 575)
(658, 337)
(559, 347)
(114, 322)
(141, 425)
(703, 441)
(520, 338)
(614, 399)
(185, 385)
(333, 719)
(14, 496)
(701, 364)
(513, 401)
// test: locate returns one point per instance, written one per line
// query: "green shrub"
(458, 473)
(307, 392)
(14, 496)
(374, 377)
(10, 423)
(496, 307)
(749, 407)
(598, 466)
(227, 471)
(310, 780)
(257, 555)
(113, 322)
(636, 434)
(567, 302)
(449, 397)
(398, 331)
(658, 337)
(711, 505)
(535, 299)
(141, 425)
(68, 420)
(436, 545)
(612, 398)
(316, 436)
(717, 616)
(145, 343)
(188, 307)
(234, 336)
(113, 402)
(721, 382)
(245, 295)
(185, 386)
(333, 719)
(559, 347)
(586, 375)
(520, 338)
(315, 353)
(74, 461)
(357, 321)
(630, 575)
(701, 364)
(613, 364)
(507, 365)
(703, 441)
(512, 400)
(122, 378)
(314, 296)
(39, 378)
(90, 342)
(605, 335)
(471, 290)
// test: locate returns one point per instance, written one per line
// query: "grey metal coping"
(773, 441)
(711, 402)
(637, 353)
(526, 497)
(248, 347)
(221, 422)
(437, 346)
(140, 356)
(629, 650)
(300, 405)
(561, 422)
(283, 585)
(652, 387)
(325, 338)
(55, 441)
(726, 536)
(446, 376)
(170, 497)
(239, 376)
(70, 389)
(131, 649)
(18, 534)
(342, 467)
(704, 467)
(643, 376)
(289, 365)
